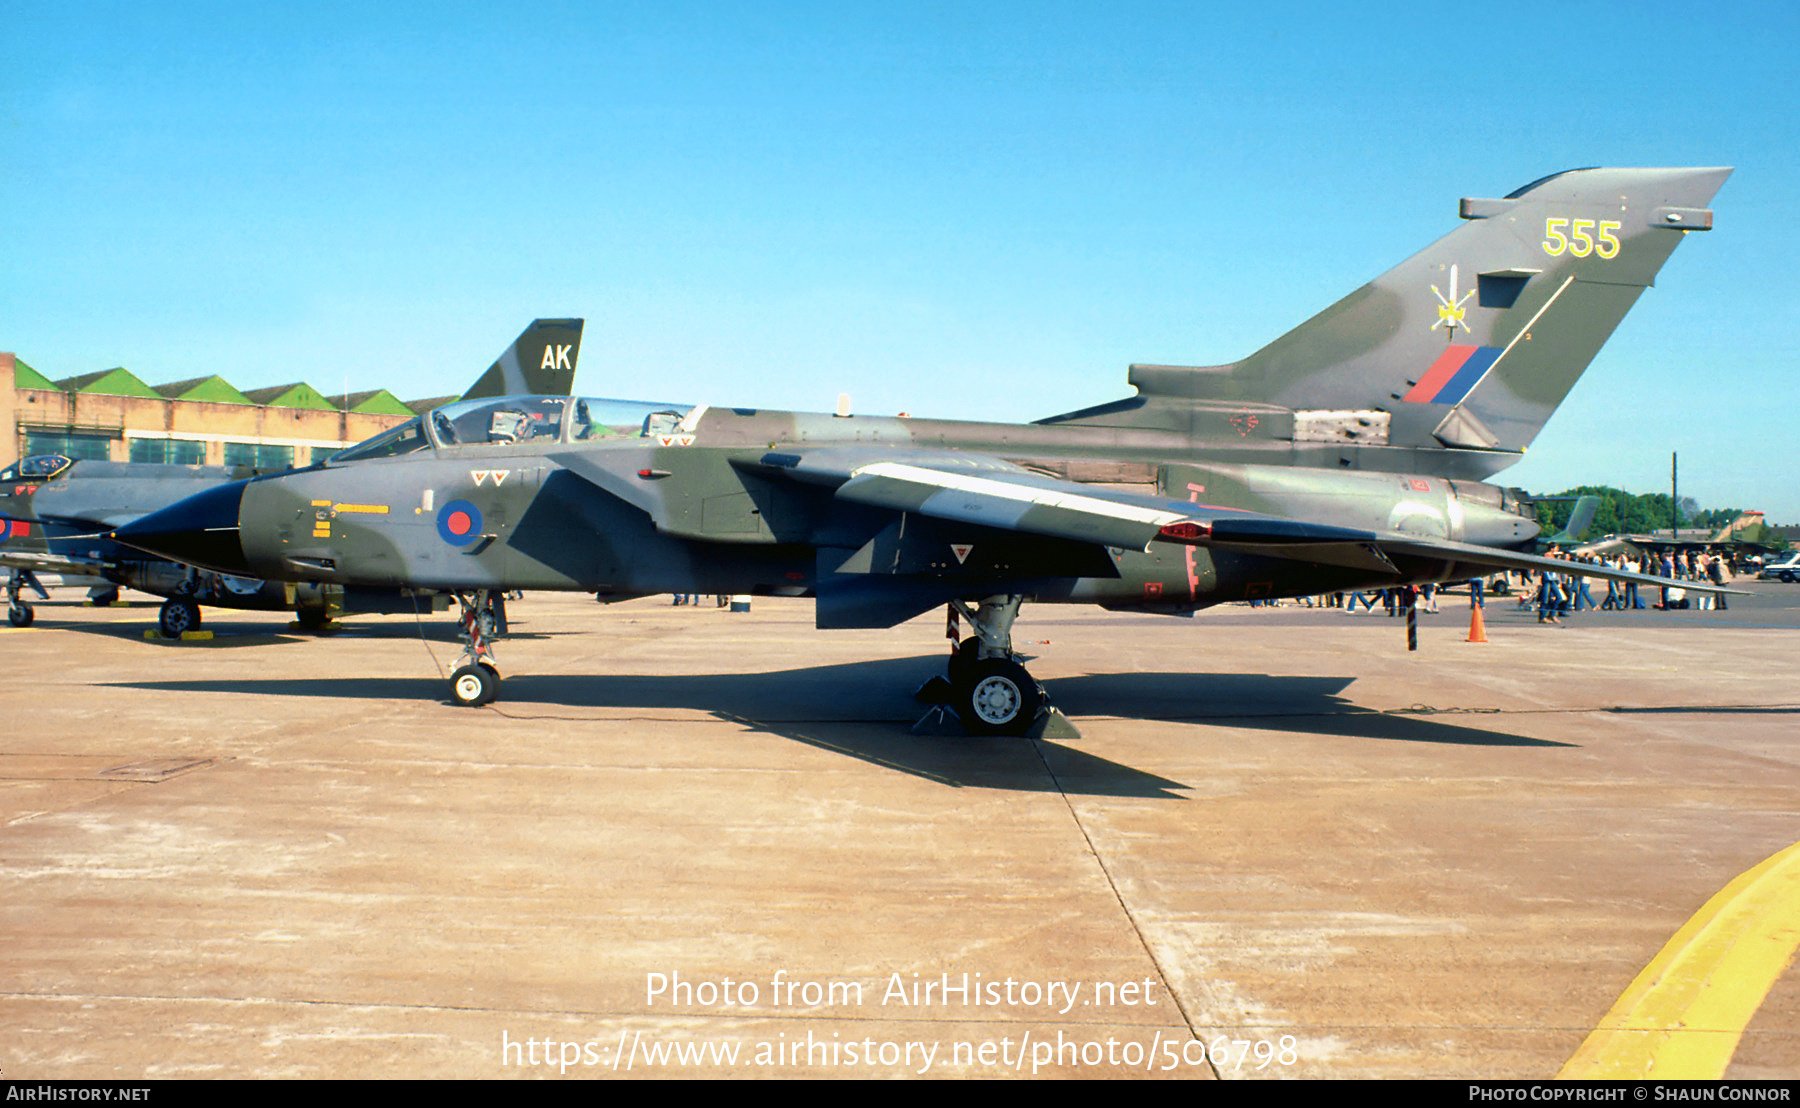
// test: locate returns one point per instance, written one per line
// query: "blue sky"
(977, 210)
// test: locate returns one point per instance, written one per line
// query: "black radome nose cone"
(199, 531)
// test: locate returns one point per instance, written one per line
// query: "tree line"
(1626, 513)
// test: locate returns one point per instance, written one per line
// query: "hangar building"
(114, 415)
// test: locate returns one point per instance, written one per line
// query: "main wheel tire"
(1787, 576)
(965, 655)
(106, 598)
(21, 615)
(178, 614)
(312, 619)
(474, 685)
(997, 697)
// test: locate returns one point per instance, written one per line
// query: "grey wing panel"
(1012, 502)
(50, 563)
(971, 488)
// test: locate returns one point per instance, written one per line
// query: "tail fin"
(1581, 517)
(541, 362)
(1472, 342)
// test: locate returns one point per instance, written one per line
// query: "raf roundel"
(459, 523)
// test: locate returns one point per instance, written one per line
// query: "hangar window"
(174, 451)
(259, 455)
(96, 448)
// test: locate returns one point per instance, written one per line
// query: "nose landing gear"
(19, 610)
(476, 679)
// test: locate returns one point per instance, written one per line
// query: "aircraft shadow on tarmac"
(1264, 702)
(224, 637)
(861, 710)
(228, 633)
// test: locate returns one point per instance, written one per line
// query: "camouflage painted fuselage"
(706, 511)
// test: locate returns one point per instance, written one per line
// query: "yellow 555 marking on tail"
(1581, 237)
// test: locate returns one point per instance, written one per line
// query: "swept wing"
(990, 492)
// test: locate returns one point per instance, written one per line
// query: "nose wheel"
(476, 679)
(18, 610)
(471, 686)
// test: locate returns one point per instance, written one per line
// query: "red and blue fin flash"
(1455, 372)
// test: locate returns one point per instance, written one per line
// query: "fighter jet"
(1347, 454)
(54, 513)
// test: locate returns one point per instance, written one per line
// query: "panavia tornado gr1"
(54, 512)
(1350, 453)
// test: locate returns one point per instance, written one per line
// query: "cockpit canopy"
(38, 467)
(515, 420)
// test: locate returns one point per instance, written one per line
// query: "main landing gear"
(181, 612)
(178, 614)
(312, 619)
(476, 680)
(987, 688)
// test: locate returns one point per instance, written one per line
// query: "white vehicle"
(1784, 568)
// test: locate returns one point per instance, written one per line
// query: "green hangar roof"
(378, 402)
(109, 382)
(24, 377)
(297, 395)
(214, 389)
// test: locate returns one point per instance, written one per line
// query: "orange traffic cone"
(1477, 625)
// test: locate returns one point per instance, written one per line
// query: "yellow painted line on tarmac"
(1682, 1018)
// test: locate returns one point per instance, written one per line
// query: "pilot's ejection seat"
(506, 426)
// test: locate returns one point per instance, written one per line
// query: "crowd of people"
(1559, 595)
(1556, 596)
(1392, 601)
